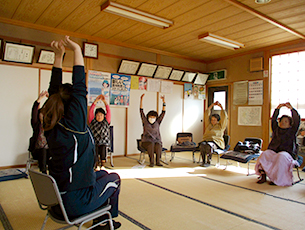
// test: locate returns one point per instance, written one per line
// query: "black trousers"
(100, 153)
(152, 148)
(42, 155)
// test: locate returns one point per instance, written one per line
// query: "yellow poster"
(134, 82)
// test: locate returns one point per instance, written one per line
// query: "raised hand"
(58, 48)
(43, 94)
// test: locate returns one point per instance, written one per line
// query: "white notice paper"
(256, 92)
(250, 116)
(240, 92)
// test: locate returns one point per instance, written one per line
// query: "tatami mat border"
(5, 222)
(210, 205)
(253, 190)
(133, 221)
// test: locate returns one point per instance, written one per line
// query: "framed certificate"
(90, 50)
(163, 72)
(46, 57)
(147, 70)
(188, 77)
(1, 47)
(18, 53)
(176, 75)
(128, 67)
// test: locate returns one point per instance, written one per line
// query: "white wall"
(19, 90)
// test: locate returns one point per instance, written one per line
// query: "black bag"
(247, 147)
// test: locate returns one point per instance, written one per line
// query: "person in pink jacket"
(99, 125)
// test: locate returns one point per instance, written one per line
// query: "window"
(287, 82)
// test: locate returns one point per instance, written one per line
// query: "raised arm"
(223, 116)
(141, 101)
(56, 77)
(164, 104)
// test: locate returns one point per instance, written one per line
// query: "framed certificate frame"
(176, 75)
(188, 77)
(20, 53)
(147, 70)
(128, 67)
(1, 47)
(90, 50)
(163, 72)
(46, 57)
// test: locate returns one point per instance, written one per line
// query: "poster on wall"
(167, 87)
(199, 92)
(153, 85)
(188, 93)
(98, 83)
(240, 93)
(142, 83)
(134, 82)
(120, 89)
(250, 116)
(255, 92)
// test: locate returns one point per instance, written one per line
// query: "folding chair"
(49, 198)
(143, 151)
(110, 148)
(217, 152)
(247, 158)
(29, 162)
(184, 143)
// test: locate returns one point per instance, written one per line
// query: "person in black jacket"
(71, 143)
(38, 144)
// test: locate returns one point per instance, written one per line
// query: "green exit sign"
(217, 75)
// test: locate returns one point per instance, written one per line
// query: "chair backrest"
(139, 146)
(181, 137)
(255, 140)
(47, 192)
(111, 139)
(227, 141)
(45, 188)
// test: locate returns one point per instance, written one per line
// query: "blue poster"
(120, 89)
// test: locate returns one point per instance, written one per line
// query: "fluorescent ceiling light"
(262, 1)
(220, 41)
(125, 11)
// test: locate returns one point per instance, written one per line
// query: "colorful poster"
(143, 83)
(98, 83)
(188, 90)
(201, 92)
(120, 89)
(134, 82)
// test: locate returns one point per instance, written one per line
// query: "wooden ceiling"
(243, 21)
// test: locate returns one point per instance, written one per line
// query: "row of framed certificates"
(161, 72)
(23, 53)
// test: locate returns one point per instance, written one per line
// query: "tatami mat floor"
(181, 195)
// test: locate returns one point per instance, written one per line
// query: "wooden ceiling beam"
(265, 17)
(94, 38)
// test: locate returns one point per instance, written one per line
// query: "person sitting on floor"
(278, 161)
(99, 126)
(212, 139)
(151, 138)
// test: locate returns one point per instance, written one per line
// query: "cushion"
(184, 139)
(240, 157)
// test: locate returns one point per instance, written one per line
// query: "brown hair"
(54, 108)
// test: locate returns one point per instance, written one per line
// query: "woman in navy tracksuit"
(71, 143)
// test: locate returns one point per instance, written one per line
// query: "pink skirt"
(278, 167)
